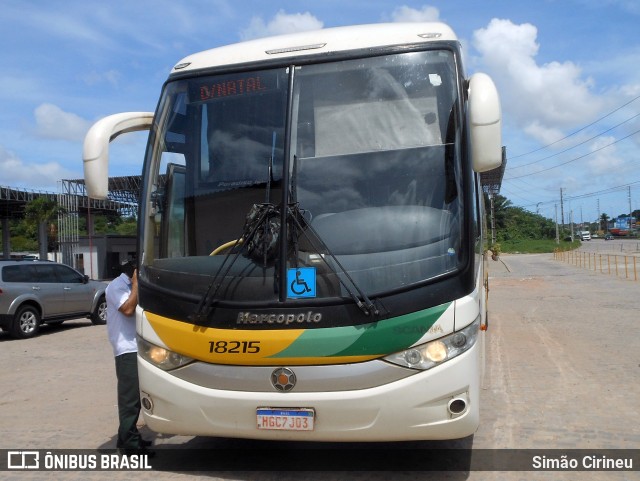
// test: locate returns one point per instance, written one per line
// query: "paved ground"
(563, 362)
(617, 246)
(563, 372)
(564, 357)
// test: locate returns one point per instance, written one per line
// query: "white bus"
(311, 242)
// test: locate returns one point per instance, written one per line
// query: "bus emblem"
(283, 379)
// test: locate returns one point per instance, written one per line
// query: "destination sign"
(218, 88)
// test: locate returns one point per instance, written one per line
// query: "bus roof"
(317, 42)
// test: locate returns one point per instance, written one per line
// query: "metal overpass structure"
(124, 194)
(12, 206)
(491, 181)
(123, 198)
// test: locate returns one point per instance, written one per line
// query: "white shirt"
(121, 328)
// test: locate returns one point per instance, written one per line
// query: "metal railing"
(610, 264)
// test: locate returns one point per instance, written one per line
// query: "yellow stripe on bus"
(235, 346)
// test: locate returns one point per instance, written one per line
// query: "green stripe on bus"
(377, 338)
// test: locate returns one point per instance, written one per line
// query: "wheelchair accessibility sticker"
(301, 282)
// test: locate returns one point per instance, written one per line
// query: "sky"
(566, 70)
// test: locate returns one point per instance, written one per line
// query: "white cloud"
(540, 98)
(111, 77)
(544, 134)
(408, 14)
(19, 174)
(54, 123)
(56, 22)
(630, 91)
(604, 160)
(281, 23)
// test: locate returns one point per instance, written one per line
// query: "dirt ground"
(562, 372)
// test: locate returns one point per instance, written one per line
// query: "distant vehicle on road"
(585, 235)
(35, 292)
(608, 237)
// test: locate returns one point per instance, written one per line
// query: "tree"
(128, 226)
(517, 223)
(22, 237)
(41, 214)
(112, 223)
(501, 206)
(604, 222)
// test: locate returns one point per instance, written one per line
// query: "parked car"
(608, 237)
(37, 292)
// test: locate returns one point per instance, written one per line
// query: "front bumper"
(413, 408)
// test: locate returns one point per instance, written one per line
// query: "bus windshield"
(318, 180)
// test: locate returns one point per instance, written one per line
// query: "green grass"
(531, 246)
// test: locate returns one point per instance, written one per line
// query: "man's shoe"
(137, 451)
(143, 443)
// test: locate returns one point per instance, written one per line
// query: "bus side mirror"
(95, 152)
(485, 120)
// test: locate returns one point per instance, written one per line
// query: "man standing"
(122, 299)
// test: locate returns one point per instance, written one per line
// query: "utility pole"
(571, 223)
(581, 219)
(630, 211)
(493, 220)
(561, 211)
(599, 221)
(557, 233)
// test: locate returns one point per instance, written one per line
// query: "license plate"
(298, 419)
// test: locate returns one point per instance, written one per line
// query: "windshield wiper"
(253, 243)
(362, 301)
(259, 241)
(293, 212)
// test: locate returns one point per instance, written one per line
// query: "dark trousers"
(128, 400)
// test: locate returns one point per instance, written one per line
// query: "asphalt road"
(619, 245)
(562, 372)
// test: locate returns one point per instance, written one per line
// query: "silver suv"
(36, 292)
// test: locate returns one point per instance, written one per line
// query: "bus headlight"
(161, 357)
(438, 351)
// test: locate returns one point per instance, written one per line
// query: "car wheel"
(99, 316)
(26, 322)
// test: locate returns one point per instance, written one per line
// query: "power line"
(511, 167)
(527, 188)
(511, 194)
(577, 158)
(577, 131)
(609, 190)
